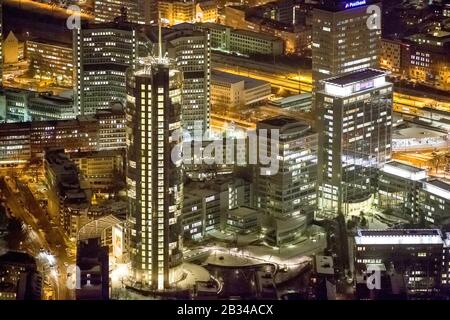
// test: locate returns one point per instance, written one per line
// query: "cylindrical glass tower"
(154, 181)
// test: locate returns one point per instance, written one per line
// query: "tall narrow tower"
(102, 54)
(344, 38)
(154, 181)
(355, 139)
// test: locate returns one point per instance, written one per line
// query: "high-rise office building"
(51, 60)
(341, 38)
(154, 181)
(288, 196)
(191, 51)
(109, 10)
(135, 11)
(102, 54)
(355, 111)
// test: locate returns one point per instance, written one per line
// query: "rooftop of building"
(438, 188)
(49, 98)
(70, 123)
(196, 189)
(212, 25)
(50, 42)
(279, 121)
(67, 179)
(115, 108)
(269, 23)
(297, 97)
(324, 264)
(440, 184)
(286, 125)
(404, 166)
(11, 37)
(404, 171)
(249, 83)
(355, 77)
(111, 206)
(60, 162)
(414, 131)
(249, 33)
(9, 90)
(242, 212)
(435, 35)
(398, 237)
(180, 30)
(96, 154)
(437, 42)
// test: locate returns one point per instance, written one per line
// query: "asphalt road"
(50, 238)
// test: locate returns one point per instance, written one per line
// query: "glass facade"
(154, 181)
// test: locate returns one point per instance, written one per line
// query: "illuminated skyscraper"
(108, 10)
(102, 53)
(154, 181)
(288, 196)
(191, 51)
(136, 11)
(355, 138)
(345, 37)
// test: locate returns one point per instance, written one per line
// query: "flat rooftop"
(435, 35)
(297, 97)
(95, 154)
(404, 171)
(51, 42)
(404, 166)
(398, 237)
(60, 161)
(286, 125)
(438, 188)
(324, 264)
(279, 121)
(417, 132)
(354, 77)
(249, 83)
(211, 25)
(196, 191)
(440, 184)
(53, 100)
(242, 212)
